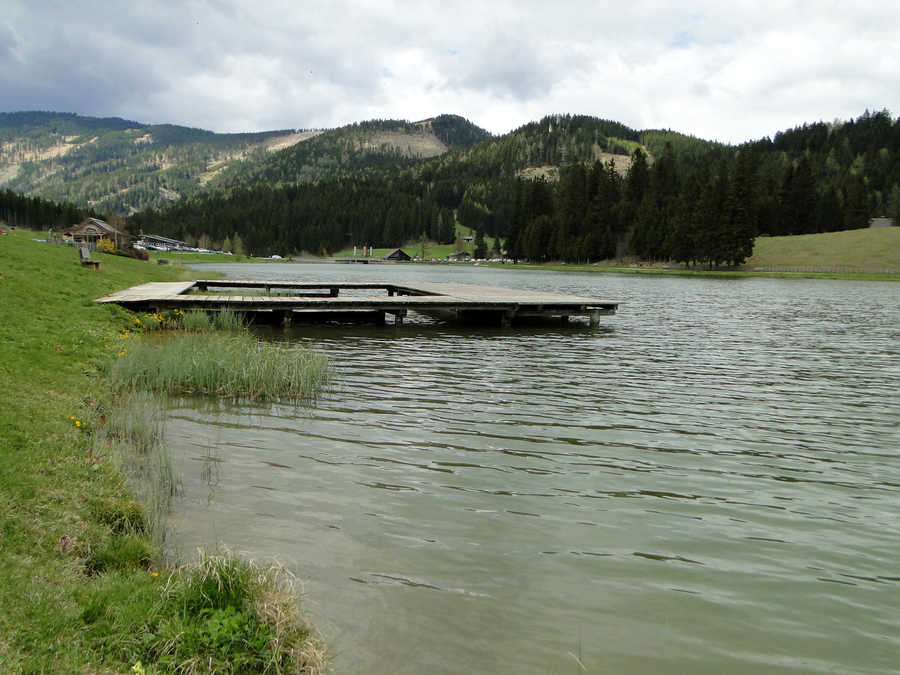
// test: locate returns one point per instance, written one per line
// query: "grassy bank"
(860, 250)
(81, 589)
(868, 255)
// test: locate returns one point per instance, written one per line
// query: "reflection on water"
(707, 483)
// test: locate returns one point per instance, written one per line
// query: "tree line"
(20, 210)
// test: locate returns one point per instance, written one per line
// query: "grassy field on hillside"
(868, 249)
(81, 586)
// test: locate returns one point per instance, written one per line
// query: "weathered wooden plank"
(463, 299)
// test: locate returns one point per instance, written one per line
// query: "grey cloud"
(240, 65)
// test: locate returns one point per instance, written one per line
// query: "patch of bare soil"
(282, 142)
(424, 144)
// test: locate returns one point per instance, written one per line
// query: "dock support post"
(333, 291)
(595, 318)
(287, 319)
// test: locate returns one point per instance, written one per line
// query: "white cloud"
(728, 71)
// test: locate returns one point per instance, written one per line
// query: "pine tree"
(237, 245)
(480, 251)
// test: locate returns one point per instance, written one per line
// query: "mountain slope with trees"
(121, 166)
(375, 144)
(691, 200)
(111, 164)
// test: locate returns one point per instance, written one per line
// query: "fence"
(89, 245)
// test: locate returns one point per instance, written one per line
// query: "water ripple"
(713, 472)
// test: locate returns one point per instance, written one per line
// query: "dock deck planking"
(461, 301)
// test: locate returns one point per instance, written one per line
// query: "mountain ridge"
(122, 166)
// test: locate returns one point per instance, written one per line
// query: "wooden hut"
(398, 254)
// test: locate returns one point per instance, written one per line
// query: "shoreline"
(84, 585)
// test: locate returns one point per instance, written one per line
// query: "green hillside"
(870, 249)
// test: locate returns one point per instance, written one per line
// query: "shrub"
(234, 616)
(120, 552)
(122, 515)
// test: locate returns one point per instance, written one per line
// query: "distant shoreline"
(871, 254)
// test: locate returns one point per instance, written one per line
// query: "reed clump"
(133, 436)
(231, 615)
(233, 364)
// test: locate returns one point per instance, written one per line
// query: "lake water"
(709, 482)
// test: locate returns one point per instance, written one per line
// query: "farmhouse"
(91, 230)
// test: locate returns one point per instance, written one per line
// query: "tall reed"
(225, 364)
(198, 321)
(134, 437)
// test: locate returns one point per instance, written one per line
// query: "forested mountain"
(674, 197)
(115, 165)
(375, 144)
(121, 166)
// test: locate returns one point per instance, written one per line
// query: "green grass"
(81, 589)
(867, 249)
(225, 614)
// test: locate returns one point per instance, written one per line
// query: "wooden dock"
(289, 301)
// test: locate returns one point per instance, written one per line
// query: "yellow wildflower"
(72, 417)
(77, 423)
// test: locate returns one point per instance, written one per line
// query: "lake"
(708, 482)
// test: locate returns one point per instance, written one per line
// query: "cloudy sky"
(729, 71)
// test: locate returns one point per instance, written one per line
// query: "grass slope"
(78, 588)
(868, 249)
(53, 341)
